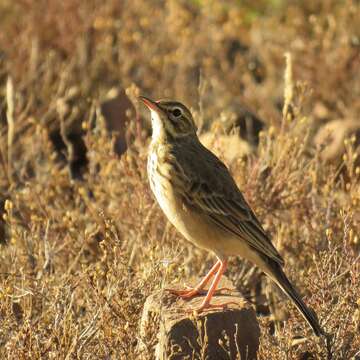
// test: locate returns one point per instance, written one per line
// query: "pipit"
(201, 199)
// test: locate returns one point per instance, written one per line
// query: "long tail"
(277, 274)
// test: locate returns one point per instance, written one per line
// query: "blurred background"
(274, 87)
(218, 57)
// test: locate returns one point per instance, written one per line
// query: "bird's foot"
(206, 306)
(187, 293)
(190, 292)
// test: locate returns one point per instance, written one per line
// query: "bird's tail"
(277, 274)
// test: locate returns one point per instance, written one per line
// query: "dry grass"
(79, 258)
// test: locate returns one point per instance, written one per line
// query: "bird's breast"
(190, 224)
(160, 184)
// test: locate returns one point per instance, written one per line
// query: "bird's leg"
(206, 303)
(190, 292)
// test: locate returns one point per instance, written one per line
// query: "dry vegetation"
(79, 257)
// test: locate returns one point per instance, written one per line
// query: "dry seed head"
(35, 218)
(328, 233)
(351, 235)
(8, 205)
(132, 91)
(82, 191)
(271, 130)
(84, 125)
(289, 87)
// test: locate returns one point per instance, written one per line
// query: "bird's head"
(170, 118)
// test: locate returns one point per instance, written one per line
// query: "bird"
(198, 195)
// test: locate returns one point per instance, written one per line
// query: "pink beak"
(152, 105)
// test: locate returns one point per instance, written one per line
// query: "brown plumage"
(200, 198)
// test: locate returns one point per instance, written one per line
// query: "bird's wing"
(207, 186)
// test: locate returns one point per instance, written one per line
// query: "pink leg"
(206, 303)
(189, 293)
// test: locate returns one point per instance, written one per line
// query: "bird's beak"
(152, 105)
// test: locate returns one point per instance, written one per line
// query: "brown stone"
(245, 120)
(66, 131)
(330, 138)
(228, 147)
(214, 334)
(114, 109)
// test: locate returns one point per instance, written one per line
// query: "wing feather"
(214, 192)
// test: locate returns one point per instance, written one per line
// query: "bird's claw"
(187, 293)
(204, 307)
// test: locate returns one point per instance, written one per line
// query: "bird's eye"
(176, 112)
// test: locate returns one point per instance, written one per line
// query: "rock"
(228, 147)
(240, 137)
(65, 132)
(321, 111)
(246, 121)
(214, 334)
(331, 138)
(67, 135)
(116, 110)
